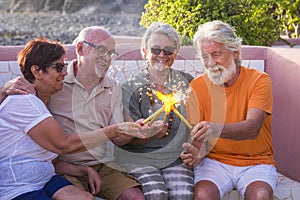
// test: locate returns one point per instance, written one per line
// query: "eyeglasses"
(102, 50)
(58, 66)
(167, 50)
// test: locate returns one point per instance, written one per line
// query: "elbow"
(67, 146)
(73, 148)
(254, 134)
(254, 131)
(62, 150)
(65, 150)
(255, 123)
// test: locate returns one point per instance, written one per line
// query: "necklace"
(170, 121)
(150, 94)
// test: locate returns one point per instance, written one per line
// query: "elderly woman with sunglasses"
(31, 139)
(155, 162)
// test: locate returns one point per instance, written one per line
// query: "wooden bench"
(283, 65)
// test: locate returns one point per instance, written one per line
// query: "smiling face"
(50, 81)
(95, 50)
(42, 62)
(102, 63)
(219, 63)
(160, 61)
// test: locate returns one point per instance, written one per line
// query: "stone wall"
(71, 6)
(22, 20)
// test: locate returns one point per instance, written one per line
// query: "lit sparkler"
(169, 101)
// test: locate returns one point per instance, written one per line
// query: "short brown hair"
(38, 52)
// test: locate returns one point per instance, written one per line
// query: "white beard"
(100, 72)
(101, 68)
(219, 75)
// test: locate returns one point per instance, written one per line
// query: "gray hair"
(219, 32)
(163, 28)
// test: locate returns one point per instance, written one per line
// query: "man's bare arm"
(17, 85)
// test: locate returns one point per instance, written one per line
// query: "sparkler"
(154, 116)
(182, 118)
(169, 101)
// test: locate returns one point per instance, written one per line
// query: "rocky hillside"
(22, 20)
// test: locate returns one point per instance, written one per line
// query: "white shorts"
(227, 177)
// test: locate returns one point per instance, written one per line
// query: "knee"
(259, 191)
(199, 195)
(206, 190)
(72, 192)
(132, 193)
(88, 196)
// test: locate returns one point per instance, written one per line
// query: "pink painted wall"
(283, 65)
(9, 53)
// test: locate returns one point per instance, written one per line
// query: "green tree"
(256, 21)
(290, 15)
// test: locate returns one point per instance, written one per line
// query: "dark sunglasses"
(167, 50)
(58, 66)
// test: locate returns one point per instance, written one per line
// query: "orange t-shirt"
(228, 105)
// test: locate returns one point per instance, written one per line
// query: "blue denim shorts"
(56, 183)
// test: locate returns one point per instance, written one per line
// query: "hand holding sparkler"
(190, 156)
(149, 130)
(194, 149)
(200, 131)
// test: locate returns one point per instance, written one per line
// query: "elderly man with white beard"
(236, 104)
